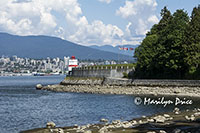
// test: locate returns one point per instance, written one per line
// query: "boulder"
(191, 118)
(160, 119)
(39, 86)
(162, 131)
(166, 115)
(50, 125)
(104, 120)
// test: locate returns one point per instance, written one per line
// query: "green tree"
(147, 54)
(192, 45)
(173, 54)
(161, 54)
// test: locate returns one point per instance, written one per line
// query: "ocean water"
(22, 107)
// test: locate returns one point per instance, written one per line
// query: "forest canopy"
(171, 49)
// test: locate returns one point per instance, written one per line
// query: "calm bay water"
(22, 107)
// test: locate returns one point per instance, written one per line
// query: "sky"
(87, 22)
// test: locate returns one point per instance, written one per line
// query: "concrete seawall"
(101, 71)
(129, 82)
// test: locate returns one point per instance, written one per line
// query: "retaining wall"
(128, 82)
(101, 71)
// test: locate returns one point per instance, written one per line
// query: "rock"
(88, 131)
(166, 115)
(60, 130)
(88, 125)
(160, 119)
(116, 121)
(133, 122)
(127, 125)
(197, 114)
(140, 122)
(83, 127)
(38, 86)
(143, 116)
(150, 120)
(177, 131)
(162, 131)
(176, 111)
(187, 117)
(54, 130)
(191, 118)
(104, 120)
(50, 125)
(103, 130)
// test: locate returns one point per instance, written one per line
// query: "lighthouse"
(73, 62)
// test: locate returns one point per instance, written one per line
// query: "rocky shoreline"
(173, 122)
(127, 87)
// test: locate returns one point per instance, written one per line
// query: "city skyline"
(17, 65)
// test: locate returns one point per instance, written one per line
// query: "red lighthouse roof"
(73, 57)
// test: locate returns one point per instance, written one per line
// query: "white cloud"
(97, 31)
(61, 18)
(140, 14)
(64, 19)
(106, 1)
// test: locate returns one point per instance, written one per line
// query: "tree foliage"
(171, 49)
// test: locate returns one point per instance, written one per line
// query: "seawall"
(189, 88)
(103, 71)
(130, 82)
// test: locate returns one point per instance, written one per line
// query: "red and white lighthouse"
(73, 62)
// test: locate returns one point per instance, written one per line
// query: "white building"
(66, 62)
(73, 62)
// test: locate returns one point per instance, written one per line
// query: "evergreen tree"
(192, 45)
(161, 54)
(173, 55)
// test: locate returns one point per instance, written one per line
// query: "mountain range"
(45, 46)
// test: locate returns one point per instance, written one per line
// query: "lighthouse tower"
(73, 62)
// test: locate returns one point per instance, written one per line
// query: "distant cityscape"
(17, 66)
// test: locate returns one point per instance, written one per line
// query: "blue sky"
(87, 22)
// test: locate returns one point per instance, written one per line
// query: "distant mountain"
(115, 49)
(45, 46)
